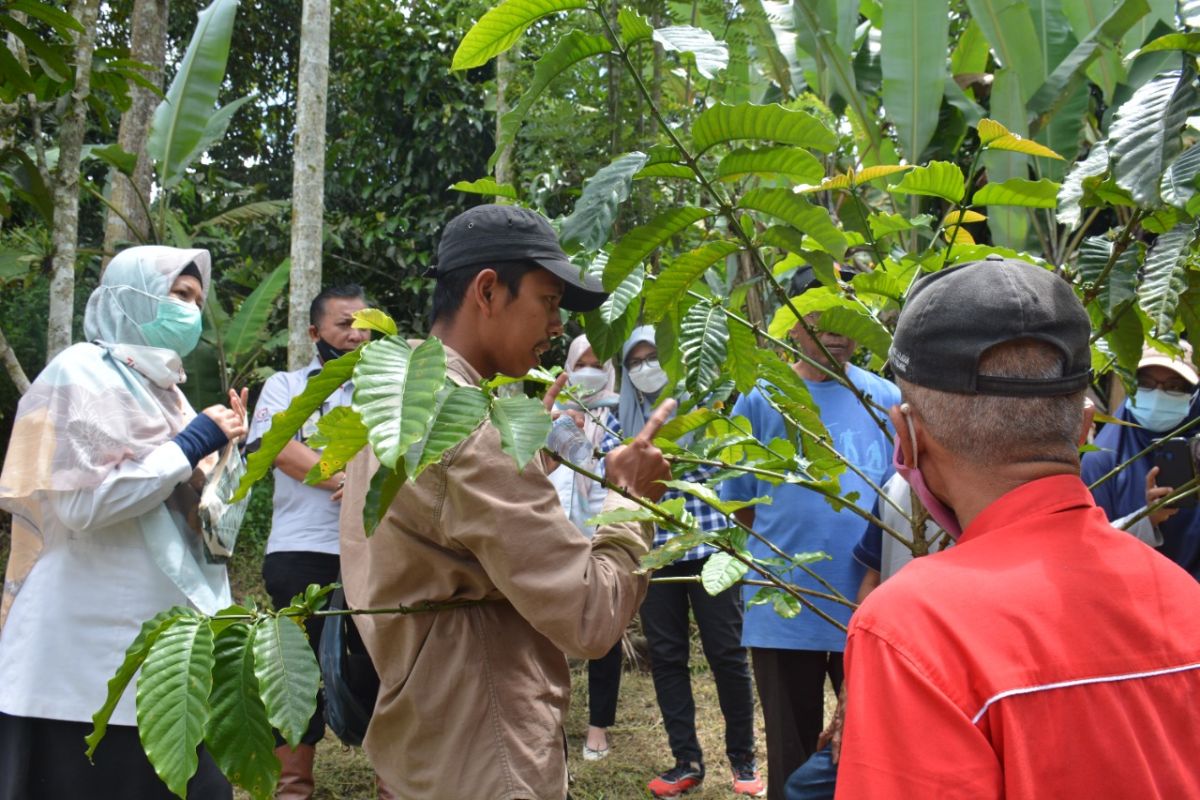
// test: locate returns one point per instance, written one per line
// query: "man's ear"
(1089, 418)
(313, 333)
(483, 291)
(897, 414)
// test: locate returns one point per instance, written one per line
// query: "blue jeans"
(815, 779)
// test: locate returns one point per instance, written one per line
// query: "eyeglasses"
(634, 363)
(1171, 386)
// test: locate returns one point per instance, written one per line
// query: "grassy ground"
(638, 745)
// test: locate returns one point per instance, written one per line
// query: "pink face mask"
(939, 512)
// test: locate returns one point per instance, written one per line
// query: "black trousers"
(666, 625)
(44, 759)
(791, 689)
(287, 574)
(604, 683)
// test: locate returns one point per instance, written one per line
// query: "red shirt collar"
(1036, 498)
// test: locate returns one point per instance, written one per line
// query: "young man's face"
(335, 325)
(838, 346)
(521, 327)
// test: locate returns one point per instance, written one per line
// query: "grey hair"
(988, 430)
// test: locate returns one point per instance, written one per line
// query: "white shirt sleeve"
(1143, 530)
(130, 490)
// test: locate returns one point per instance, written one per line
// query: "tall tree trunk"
(66, 185)
(12, 366)
(505, 68)
(308, 177)
(148, 44)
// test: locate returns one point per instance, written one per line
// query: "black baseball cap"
(953, 316)
(493, 233)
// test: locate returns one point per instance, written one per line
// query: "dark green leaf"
(1166, 276)
(1094, 255)
(643, 240)
(288, 676)
(590, 223)
(1144, 137)
(385, 483)
(248, 327)
(812, 220)
(673, 282)
(239, 737)
(172, 699)
(703, 337)
(523, 423)
(614, 308)
(456, 413)
(392, 386)
(913, 46)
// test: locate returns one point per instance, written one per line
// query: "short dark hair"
(451, 288)
(348, 291)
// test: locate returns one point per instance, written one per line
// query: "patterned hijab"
(98, 404)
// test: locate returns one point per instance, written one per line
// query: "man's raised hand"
(639, 467)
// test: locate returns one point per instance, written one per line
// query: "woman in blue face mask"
(1165, 399)
(101, 479)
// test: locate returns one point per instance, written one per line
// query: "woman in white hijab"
(591, 383)
(100, 477)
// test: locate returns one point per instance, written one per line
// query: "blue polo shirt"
(800, 520)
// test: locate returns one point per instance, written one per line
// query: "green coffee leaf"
(172, 700)
(392, 386)
(720, 572)
(287, 675)
(501, 26)
(238, 736)
(457, 412)
(340, 436)
(523, 423)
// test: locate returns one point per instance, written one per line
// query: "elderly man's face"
(838, 346)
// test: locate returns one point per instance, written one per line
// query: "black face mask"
(328, 352)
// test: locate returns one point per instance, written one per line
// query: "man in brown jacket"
(472, 700)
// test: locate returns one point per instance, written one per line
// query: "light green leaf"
(248, 327)
(456, 412)
(812, 220)
(172, 700)
(372, 319)
(340, 436)
(705, 493)
(665, 170)
(788, 391)
(794, 163)
(1144, 136)
(135, 654)
(884, 224)
(214, 131)
(288, 676)
(523, 423)
(486, 186)
(590, 223)
(392, 386)
(672, 283)
(711, 56)
(576, 46)
(613, 309)
(1187, 42)
(1166, 276)
(1008, 26)
(1018, 192)
(703, 336)
(239, 737)
(675, 547)
(859, 326)
(181, 119)
(643, 240)
(938, 179)
(500, 27)
(285, 424)
(743, 357)
(634, 27)
(385, 483)
(606, 340)
(720, 572)
(773, 123)
(684, 424)
(786, 605)
(913, 47)
(618, 515)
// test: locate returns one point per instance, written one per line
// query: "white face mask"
(587, 381)
(648, 376)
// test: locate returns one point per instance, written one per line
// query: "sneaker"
(683, 777)
(747, 780)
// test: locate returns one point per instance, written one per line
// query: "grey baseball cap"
(954, 315)
(494, 233)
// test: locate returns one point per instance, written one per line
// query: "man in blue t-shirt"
(791, 657)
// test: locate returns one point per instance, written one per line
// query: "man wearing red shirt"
(1047, 654)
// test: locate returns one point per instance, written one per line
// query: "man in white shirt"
(303, 546)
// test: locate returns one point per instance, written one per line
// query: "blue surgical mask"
(176, 326)
(1158, 410)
